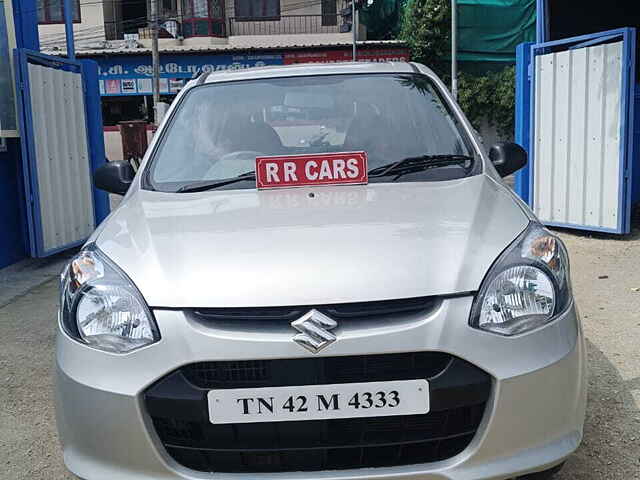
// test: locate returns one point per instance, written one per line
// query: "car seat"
(242, 133)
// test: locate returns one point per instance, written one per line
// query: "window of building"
(256, 10)
(168, 7)
(203, 18)
(52, 11)
(329, 12)
(134, 16)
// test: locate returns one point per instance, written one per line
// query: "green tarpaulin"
(490, 30)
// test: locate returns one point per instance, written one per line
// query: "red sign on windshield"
(318, 169)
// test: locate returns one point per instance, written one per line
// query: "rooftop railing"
(284, 25)
(186, 26)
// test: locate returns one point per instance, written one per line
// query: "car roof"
(307, 69)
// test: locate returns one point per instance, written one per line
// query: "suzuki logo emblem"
(314, 331)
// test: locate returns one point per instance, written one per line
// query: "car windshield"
(219, 129)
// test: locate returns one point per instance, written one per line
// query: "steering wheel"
(233, 164)
(252, 154)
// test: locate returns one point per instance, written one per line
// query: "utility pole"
(155, 54)
(454, 49)
(351, 18)
(354, 28)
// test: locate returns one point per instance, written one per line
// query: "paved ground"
(21, 277)
(606, 280)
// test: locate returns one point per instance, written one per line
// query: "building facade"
(190, 23)
(199, 36)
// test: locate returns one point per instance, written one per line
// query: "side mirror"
(114, 177)
(507, 157)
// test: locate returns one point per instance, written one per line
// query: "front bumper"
(533, 419)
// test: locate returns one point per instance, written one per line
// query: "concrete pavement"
(21, 277)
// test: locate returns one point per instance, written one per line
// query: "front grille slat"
(341, 432)
(321, 447)
(458, 395)
(314, 460)
(340, 311)
(315, 371)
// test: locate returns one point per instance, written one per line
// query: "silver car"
(410, 321)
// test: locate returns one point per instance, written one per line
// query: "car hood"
(310, 246)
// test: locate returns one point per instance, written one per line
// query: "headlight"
(526, 288)
(101, 307)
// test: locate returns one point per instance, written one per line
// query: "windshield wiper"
(420, 163)
(204, 185)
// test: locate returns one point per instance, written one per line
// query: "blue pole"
(68, 29)
(97, 156)
(542, 23)
(523, 116)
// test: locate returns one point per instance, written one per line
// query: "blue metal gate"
(575, 116)
(57, 151)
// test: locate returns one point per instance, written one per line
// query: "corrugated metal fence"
(577, 136)
(62, 156)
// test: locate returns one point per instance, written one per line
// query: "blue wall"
(12, 238)
(26, 22)
(12, 203)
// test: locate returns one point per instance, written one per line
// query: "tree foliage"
(382, 19)
(491, 96)
(426, 28)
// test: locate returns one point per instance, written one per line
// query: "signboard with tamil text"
(131, 74)
(123, 75)
(334, 56)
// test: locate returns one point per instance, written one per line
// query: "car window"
(219, 129)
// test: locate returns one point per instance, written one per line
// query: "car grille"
(315, 371)
(341, 311)
(178, 408)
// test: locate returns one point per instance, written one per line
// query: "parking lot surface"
(606, 282)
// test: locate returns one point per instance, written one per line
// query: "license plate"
(318, 402)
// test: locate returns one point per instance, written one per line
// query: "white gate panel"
(577, 136)
(62, 156)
